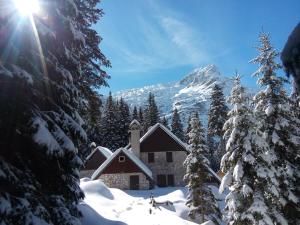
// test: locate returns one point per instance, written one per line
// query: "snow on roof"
(105, 151)
(153, 128)
(130, 155)
(134, 122)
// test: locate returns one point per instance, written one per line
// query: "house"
(154, 159)
(94, 160)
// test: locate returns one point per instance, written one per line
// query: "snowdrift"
(109, 206)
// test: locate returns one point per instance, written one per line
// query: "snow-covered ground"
(110, 206)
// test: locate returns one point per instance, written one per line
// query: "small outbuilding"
(94, 160)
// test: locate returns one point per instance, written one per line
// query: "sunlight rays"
(27, 7)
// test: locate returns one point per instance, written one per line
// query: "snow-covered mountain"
(189, 94)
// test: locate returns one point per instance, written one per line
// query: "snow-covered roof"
(130, 155)
(134, 123)
(105, 151)
(173, 136)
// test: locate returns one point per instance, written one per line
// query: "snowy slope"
(191, 93)
(109, 206)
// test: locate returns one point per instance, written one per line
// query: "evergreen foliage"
(142, 121)
(135, 115)
(165, 122)
(109, 124)
(201, 201)
(151, 112)
(123, 122)
(188, 129)
(92, 117)
(217, 116)
(45, 83)
(176, 126)
(280, 127)
(246, 165)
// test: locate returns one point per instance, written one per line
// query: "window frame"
(170, 177)
(169, 157)
(153, 159)
(123, 158)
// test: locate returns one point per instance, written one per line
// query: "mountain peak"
(188, 95)
(205, 74)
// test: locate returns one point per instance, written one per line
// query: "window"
(151, 157)
(121, 158)
(170, 180)
(165, 180)
(169, 156)
(161, 180)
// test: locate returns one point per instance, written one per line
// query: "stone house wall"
(122, 180)
(161, 166)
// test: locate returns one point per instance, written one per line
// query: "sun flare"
(27, 7)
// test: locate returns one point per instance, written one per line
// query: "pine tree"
(109, 125)
(92, 117)
(280, 127)
(246, 167)
(41, 94)
(201, 200)
(142, 121)
(151, 112)
(188, 128)
(217, 116)
(165, 122)
(135, 115)
(123, 123)
(176, 126)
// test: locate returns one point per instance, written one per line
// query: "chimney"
(135, 135)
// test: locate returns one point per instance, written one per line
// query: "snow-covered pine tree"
(281, 129)
(201, 201)
(245, 164)
(109, 124)
(151, 112)
(142, 120)
(217, 116)
(41, 93)
(92, 117)
(176, 125)
(135, 115)
(165, 122)
(188, 128)
(123, 121)
(141, 115)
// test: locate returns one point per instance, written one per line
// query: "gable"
(94, 161)
(160, 141)
(114, 166)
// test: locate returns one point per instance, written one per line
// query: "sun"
(27, 7)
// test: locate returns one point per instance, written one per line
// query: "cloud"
(186, 39)
(158, 40)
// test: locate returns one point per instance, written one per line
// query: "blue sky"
(158, 41)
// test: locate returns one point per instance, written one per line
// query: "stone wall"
(122, 180)
(161, 166)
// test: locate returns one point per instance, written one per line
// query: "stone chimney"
(135, 135)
